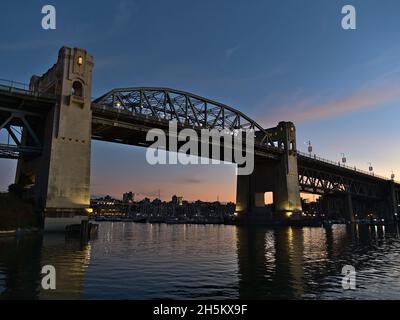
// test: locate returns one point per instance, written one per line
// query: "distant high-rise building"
(128, 197)
(177, 200)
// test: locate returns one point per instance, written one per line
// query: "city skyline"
(339, 87)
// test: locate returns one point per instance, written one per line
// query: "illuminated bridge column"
(62, 173)
(286, 194)
(277, 175)
(286, 190)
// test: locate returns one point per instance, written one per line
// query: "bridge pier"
(61, 174)
(248, 200)
(348, 208)
(390, 203)
(277, 175)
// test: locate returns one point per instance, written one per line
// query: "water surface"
(152, 261)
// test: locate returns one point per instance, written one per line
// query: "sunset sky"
(274, 60)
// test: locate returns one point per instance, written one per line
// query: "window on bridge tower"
(77, 89)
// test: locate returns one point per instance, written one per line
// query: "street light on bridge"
(371, 169)
(344, 160)
(309, 149)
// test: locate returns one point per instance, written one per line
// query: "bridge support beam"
(279, 176)
(61, 175)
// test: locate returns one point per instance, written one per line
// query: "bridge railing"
(21, 88)
(341, 165)
(13, 85)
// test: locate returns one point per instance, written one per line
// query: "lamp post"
(370, 168)
(344, 160)
(310, 148)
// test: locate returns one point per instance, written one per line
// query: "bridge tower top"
(70, 74)
(285, 135)
(70, 79)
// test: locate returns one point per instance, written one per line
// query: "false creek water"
(151, 261)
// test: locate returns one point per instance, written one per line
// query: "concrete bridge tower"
(61, 174)
(270, 175)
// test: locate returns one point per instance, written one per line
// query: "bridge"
(51, 124)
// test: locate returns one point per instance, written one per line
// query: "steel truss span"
(324, 182)
(187, 109)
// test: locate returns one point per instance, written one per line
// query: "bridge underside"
(22, 112)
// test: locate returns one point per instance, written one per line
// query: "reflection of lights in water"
(290, 236)
(270, 251)
(88, 253)
(314, 244)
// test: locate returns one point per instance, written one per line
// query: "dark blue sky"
(274, 60)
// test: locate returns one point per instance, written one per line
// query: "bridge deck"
(124, 127)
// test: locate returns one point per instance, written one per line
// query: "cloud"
(192, 181)
(228, 53)
(123, 14)
(309, 110)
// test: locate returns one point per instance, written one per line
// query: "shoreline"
(267, 224)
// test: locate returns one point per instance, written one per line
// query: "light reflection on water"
(150, 261)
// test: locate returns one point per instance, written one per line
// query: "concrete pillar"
(391, 205)
(279, 176)
(245, 195)
(397, 213)
(259, 201)
(348, 208)
(62, 173)
(286, 189)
